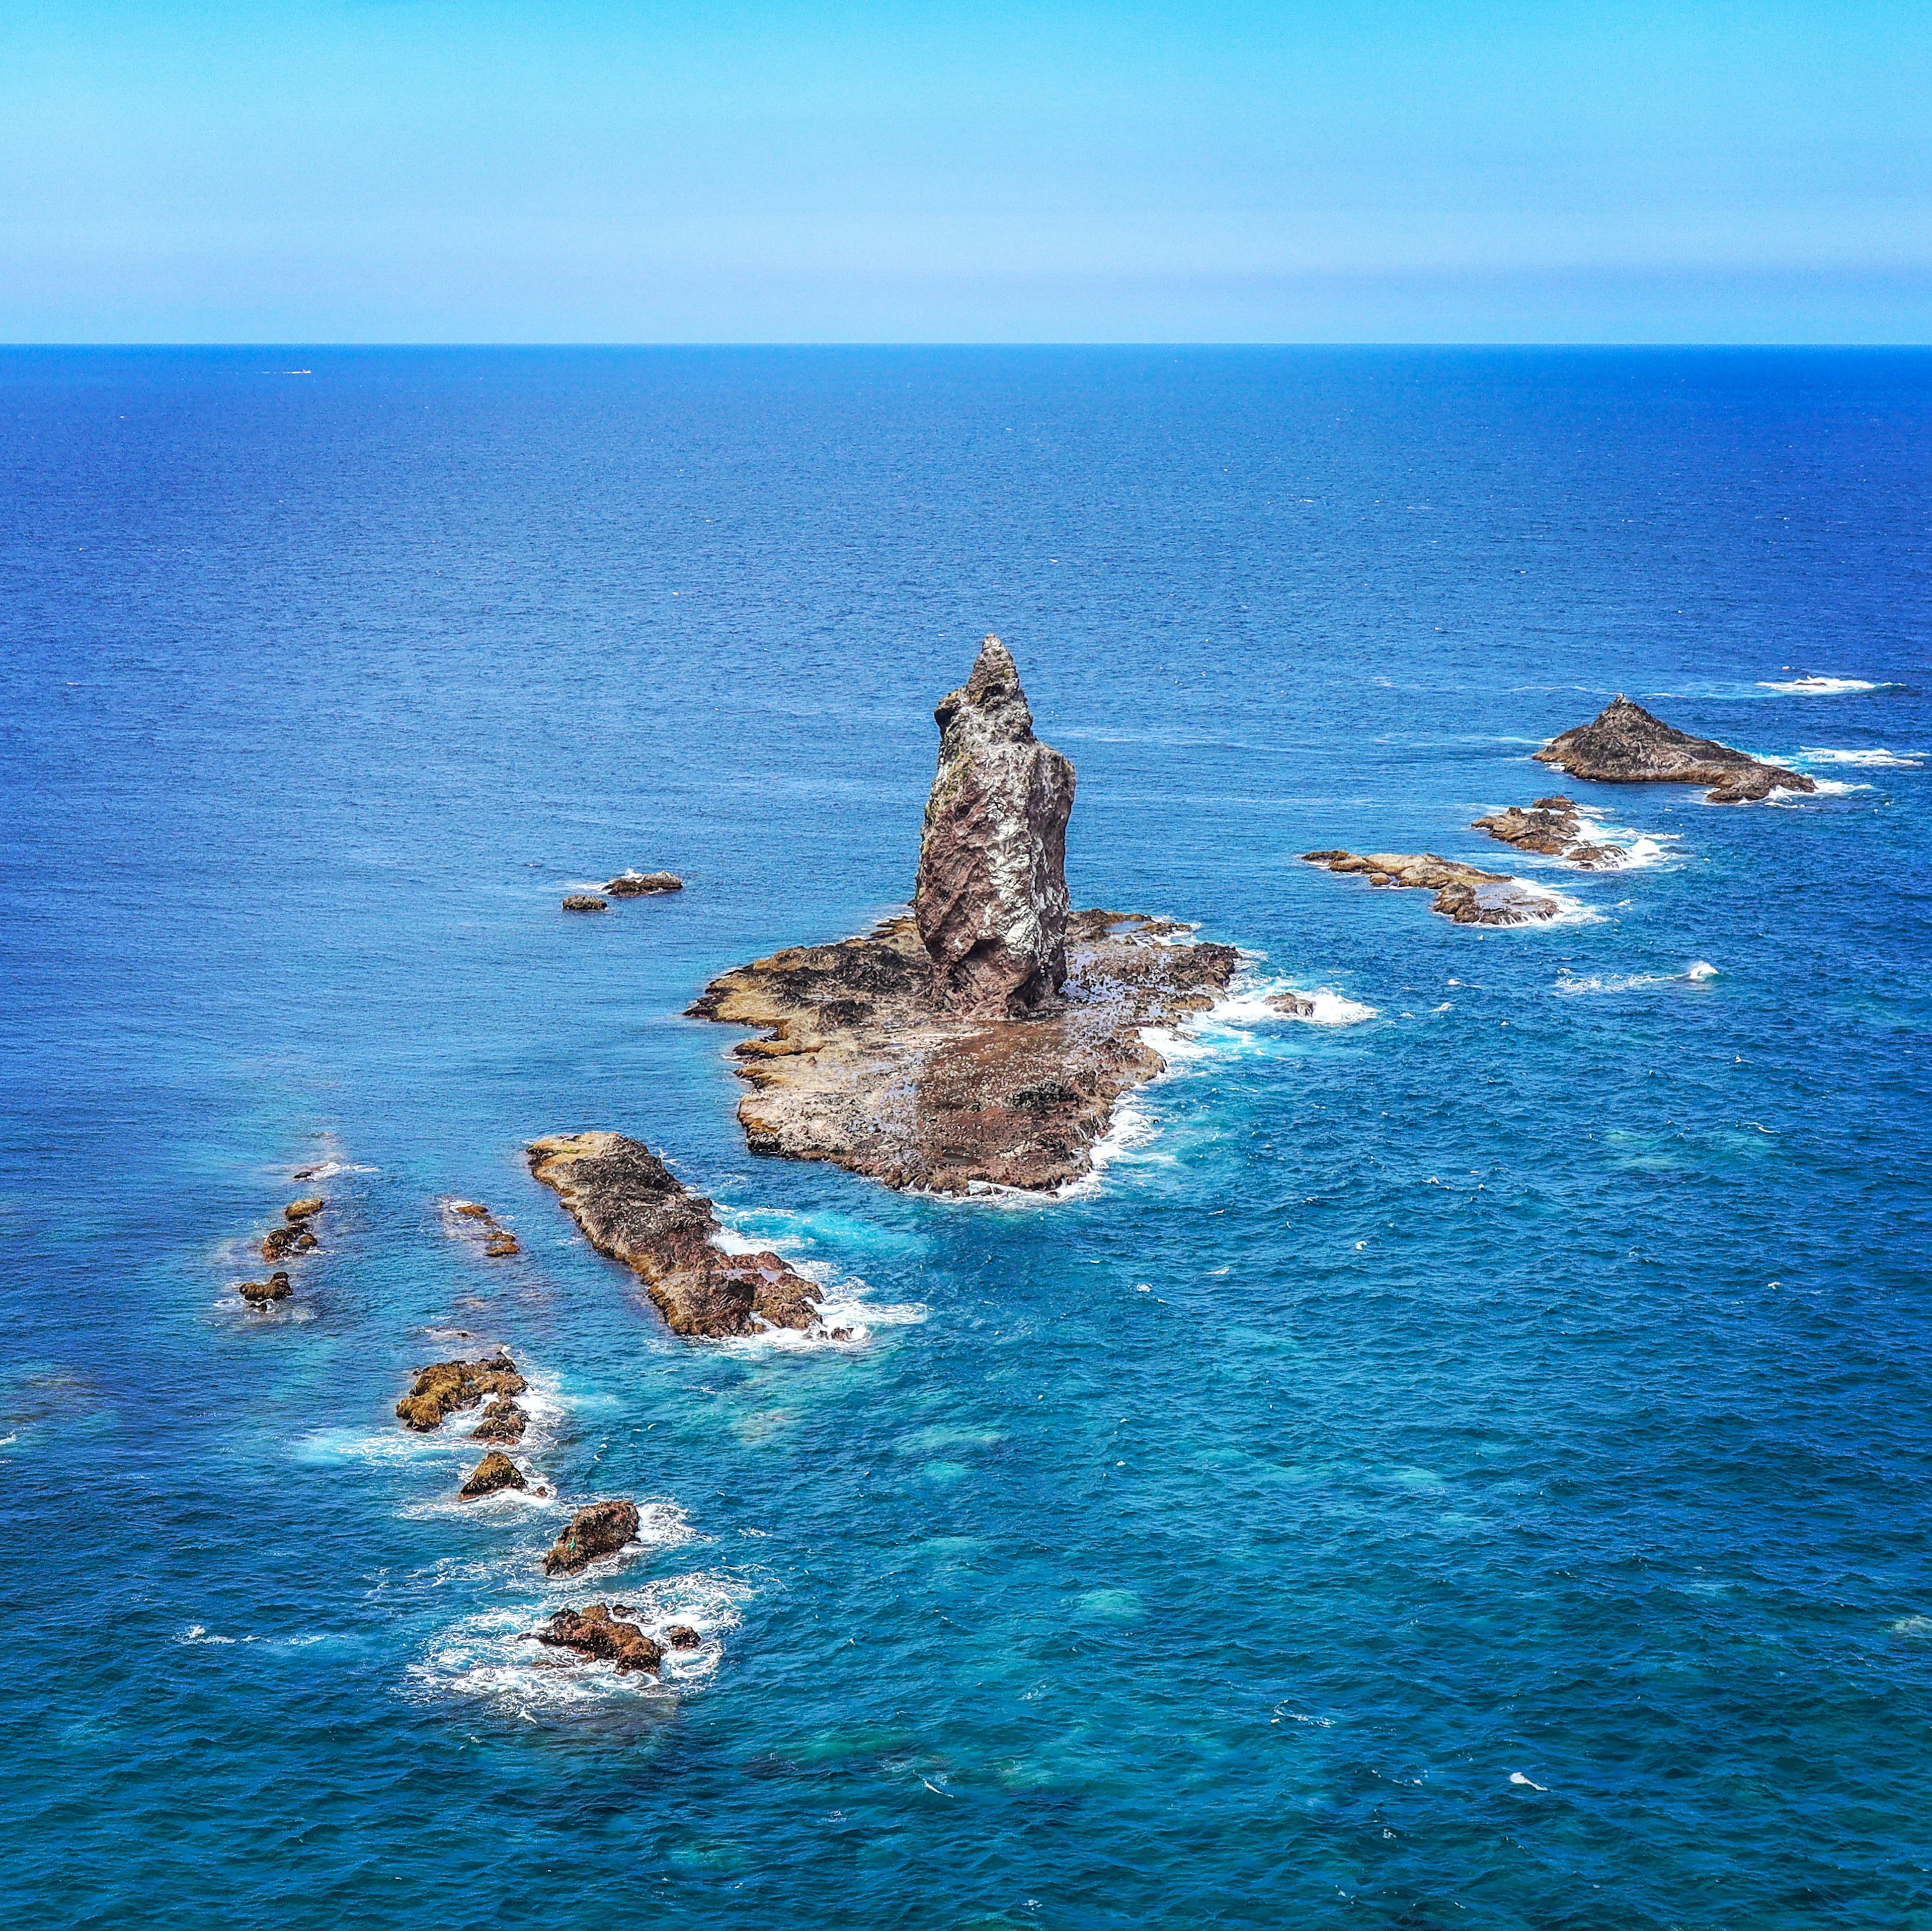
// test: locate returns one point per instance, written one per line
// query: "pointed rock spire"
(992, 901)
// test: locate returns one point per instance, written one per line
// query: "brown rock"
(1624, 744)
(300, 1209)
(601, 1529)
(1463, 892)
(496, 1470)
(1551, 826)
(274, 1288)
(631, 1207)
(445, 1386)
(597, 1633)
(585, 901)
(991, 903)
(278, 1240)
(681, 1637)
(502, 1421)
(637, 884)
(503, 1245)
(859, 1067)
(471, 1210)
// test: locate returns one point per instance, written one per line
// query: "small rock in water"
(595, 1633)
(274, 1288)
(502, 1421)
(637, 884)
(1463, 892)
(495, 1471)
(584, 902)
(445, 1385)
(601, 1529)
(680, 1636)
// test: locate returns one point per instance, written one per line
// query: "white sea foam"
(1820, 687)
(843, 1305)
(1640, 850)
(484, 1655)
(1694, 974)
(1873, 760)
(1569, 911)
(1823, 787)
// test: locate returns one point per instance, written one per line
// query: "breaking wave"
(1694, 974)
(1820, 687)
(1869, 761)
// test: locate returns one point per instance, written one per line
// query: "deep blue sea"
(1467, 1466)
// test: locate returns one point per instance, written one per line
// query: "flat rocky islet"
(1463, 892)
(986, 1039)
(1552, 827)
(1624, 744)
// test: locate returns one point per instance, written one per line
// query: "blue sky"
(488, 170)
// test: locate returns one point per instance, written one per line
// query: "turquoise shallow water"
(1466, 1467)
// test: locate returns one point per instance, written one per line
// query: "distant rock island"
(1624, 744)
(987, 1038)
(1463, 892)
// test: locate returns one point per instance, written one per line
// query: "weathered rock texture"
(260, 1293)
(1552, 827)
(1463, 893)
(502, 1421)
(632, 1208)
(597, 1633)
(640, 884)
(1623, 744)
(445, 1386)
(585, 901)
(496, 1470)
(991, 902)
(862, 1065)
(601, 1529)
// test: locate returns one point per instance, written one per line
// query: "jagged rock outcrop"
(495, 1471)
(502, 1421)
(1464, 893)
(640, 884)
(1552, 827)
(992, 903)
(601, 1529)
(445, 1386)
(859, 1065)
(631, 1207)
(1624, 744)
(584, 902)
(596, 1632)
(260, 1293)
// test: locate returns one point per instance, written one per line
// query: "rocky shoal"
(1554, 828)
(632, 1208)
(1464, 893)
(860, 1064)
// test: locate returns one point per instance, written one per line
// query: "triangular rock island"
(986, 1038)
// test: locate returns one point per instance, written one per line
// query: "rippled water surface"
(1465, 1463)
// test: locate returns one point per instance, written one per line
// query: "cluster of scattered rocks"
(1552, 827)
(631, 1207)
(446, 1386)
(294, 1236)
(626, 884)
(1463, 892)
(473, 1217)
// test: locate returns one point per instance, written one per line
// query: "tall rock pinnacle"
(991, 900)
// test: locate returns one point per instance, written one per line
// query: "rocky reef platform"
(1463, 892)
(1553, 828)
(861, 1064)
(1624, 744)
(631, 1207)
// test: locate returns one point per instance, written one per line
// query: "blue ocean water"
(1467, 1466)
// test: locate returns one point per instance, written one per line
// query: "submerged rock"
(1552, 827)
(595, 1633)
(502, 1421)
(601, 1529)
(1624, 744)
(495, 1471)
(274, 1288)
(1463, 892)
(445, 1386)
(474, 1219)
(637, 884)
(991, 903)
(631, 1207)
(584, 902)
